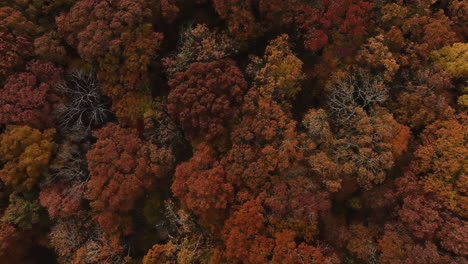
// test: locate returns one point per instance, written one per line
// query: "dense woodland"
(233, 131)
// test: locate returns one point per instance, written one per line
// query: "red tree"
(348, 17)
(29, 98)
(201, 186)
(206, 97)
(120, 168)
(16, 36)
(14, 244)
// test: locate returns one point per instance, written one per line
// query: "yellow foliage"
(375, 54)
(463, 100)
(26, 152)
(453, 59)
(279, 70)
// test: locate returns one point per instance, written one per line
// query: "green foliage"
(22, 211)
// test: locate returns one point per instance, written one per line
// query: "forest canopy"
(233, 132)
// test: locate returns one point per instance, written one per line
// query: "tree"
(347, 17)
(317, 125)
(40, 11)
(164, 254)
(77, 241)
(61, 200)
(166, 10)
(265, 144)
(26, 152)
(296, 204)
(62, 189)
(121, 42)
(120, 167)
(86, 107)
(22, 212)
(457, 11)
(242, 235)
(423, 100)
(277, 15)
(16, 36)
(440, 161)
(350, 91)
(49, 47)
(187, 243)
(421, 217)
(376, 55)
(398, 247)
(165, 135)
(279, 69)
(432, 208)
(199, 44)
(239, 17)
(367, 147)
(206, 97)
(361, 243)
(126, 81)
(320, 157)
(429, 30)
(201, 185)
(249, 239)
(94, 34)
(452, 58)
(28, 98)
(14, 244)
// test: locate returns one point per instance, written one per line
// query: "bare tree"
(353, 90)
(86, 107)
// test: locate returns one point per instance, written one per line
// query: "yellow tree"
(454, 59)
(279, 69)
(26, 152)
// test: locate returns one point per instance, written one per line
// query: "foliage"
(14, 243)
(16, 37)
(233, 131)
(201, 185)
(28, 98)
(206, 97)
(347, 17)
(199, 44)
(26, 152)
(21, 212)
(453, 59)
(279, 69)
(119, 175)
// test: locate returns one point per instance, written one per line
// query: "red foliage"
(348, 17)
(29, 98)
(243, 237)
(97, 28)
(421, 216)
(16, 35)
(201, 186)
(14, 244)
(166, 9)
(206, 97)
(62, 200)
(249, 238)
(119, 164)
(118, 36)
(239, 16)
